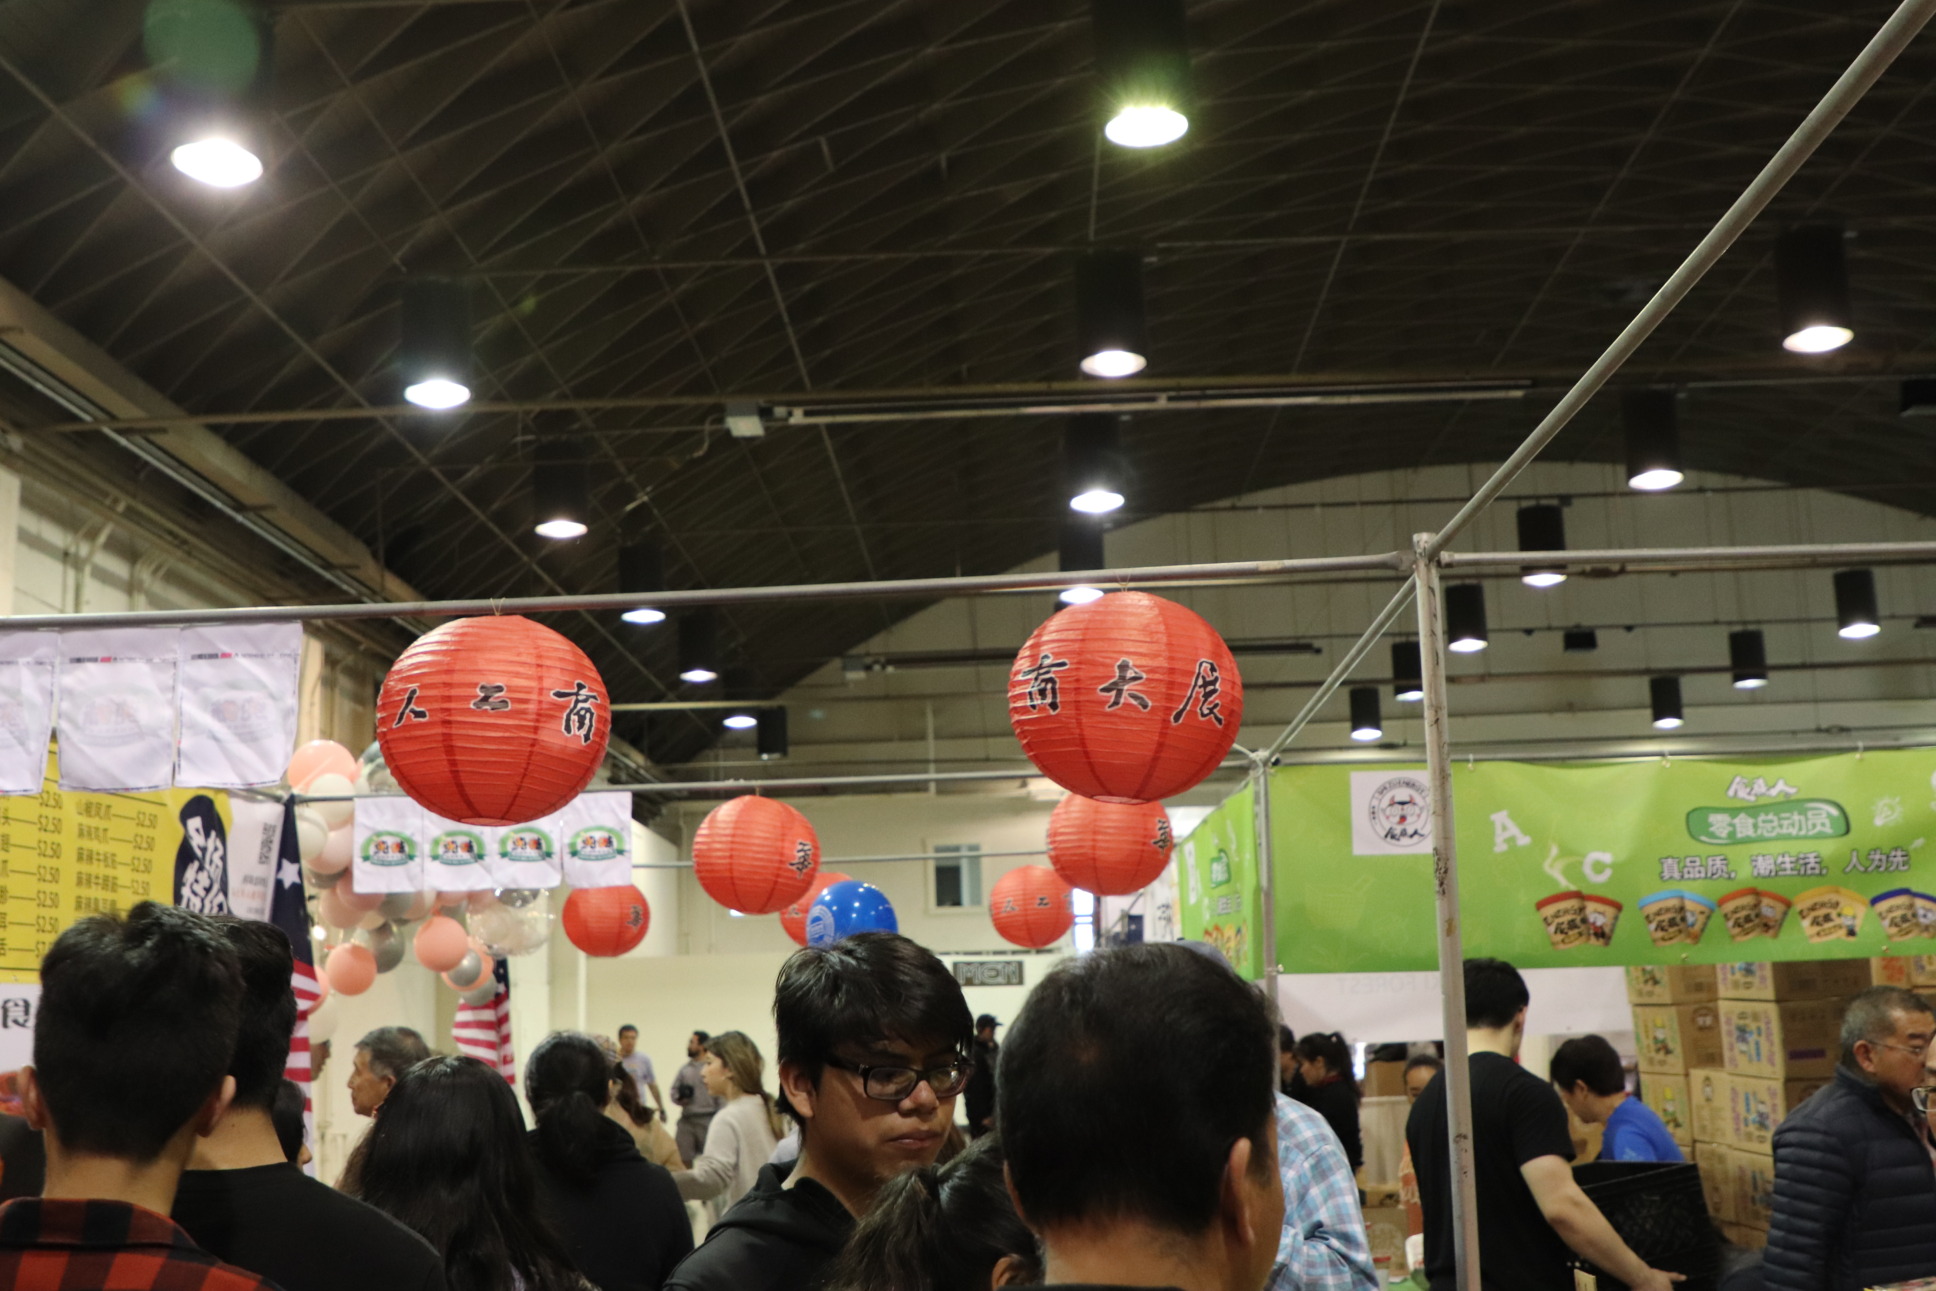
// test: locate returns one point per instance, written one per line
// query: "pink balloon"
(480, 899)
(351, 969)
(335, 911)
(320, 757)
(336, 854)
(451, 900)
(441, 943)
(361, 902)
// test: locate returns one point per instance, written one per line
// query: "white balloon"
(337, 852)
(312, 831)
(372, 921)
(322, 1023)
(335, 814)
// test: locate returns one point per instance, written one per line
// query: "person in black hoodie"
(1324, 1062)
(619, 1215)
(874, 1043)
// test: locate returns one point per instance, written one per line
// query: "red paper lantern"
(493, 721)
(755, 855)
(1108, 848)
(794, 917)
(606, 921)
(1031, 906)
(1130, 698)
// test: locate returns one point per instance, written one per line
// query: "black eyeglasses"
(1921, 1097)
(892, 1084)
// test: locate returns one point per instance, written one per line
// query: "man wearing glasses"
(1855, 1170)
(874, 1044)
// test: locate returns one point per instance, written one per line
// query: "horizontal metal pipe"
(681, 705)
(1635, 559)
(797, 416)
(835, 862)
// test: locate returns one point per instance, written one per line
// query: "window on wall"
(957, 875)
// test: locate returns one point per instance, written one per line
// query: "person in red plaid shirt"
(162, 983)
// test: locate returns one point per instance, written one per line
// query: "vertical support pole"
(584, 992)
(1260, 819)
(1445, 874)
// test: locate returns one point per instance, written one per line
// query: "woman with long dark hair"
(745, 1129)
(1324, 1060)
(944, 1227)
(619, 1214)
(449, 1159)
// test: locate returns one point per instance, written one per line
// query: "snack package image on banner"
(1216, 878)
(1564, 864)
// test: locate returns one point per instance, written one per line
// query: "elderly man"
(1855, 1190)
(382, 1056)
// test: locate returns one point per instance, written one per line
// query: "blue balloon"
(843, 909)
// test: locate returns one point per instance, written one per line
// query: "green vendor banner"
(1217, 890)
(1645, 862)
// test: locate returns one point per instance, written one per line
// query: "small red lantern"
(794, 917)
(493, 721)
(606, 921)
(755, 855)
(1127, 699)
(1110, 849)
(1031, 906)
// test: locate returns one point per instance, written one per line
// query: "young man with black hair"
(243, 1200)
(1530, 1209)
(1593, 1085)
(161, 983)
(1187, 1197)
(874, 1037)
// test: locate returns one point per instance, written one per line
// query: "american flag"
(483, 1031)
(288, 912)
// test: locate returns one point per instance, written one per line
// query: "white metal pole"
(1260, 813)
(1445, 874)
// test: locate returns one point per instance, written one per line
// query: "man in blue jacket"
(1855, 1187)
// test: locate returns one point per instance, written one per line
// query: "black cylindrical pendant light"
(1408, 677)
(641, 569)
(772, 734)
(1542, 527)
(1365, 723)
(1082, 549)
(1665, 692)
(1812, 289)
(1093, 472)
(214, 67)
(1465, 618)
(699, 647)
(560, 488)
(1651, 420)
(1857, 613)
(1111, 334)
(1143, 63)
(1748, 659)
(434, 343)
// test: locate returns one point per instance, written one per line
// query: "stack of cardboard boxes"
(1726, 1052)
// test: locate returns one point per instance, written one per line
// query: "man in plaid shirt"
(1323, 1246)
(162, 983)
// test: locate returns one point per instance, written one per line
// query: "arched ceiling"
(707, 198)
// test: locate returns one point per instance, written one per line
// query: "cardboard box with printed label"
(1670, 983)
(1892, 970)
(1756, 1105)
(1707, 1096)
(1748, 1239)
(1801, 979)
(1384, 1080)
(1751, 1187)
(1711, 1159)
(1671, 1101)
(1796, 1040)
(1676, 1038)
(1922, 970)
(1385, 1233)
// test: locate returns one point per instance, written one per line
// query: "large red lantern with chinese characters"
(1111, 849)
(794, 917)
(1031, 906)
(1127, 699)
(493, 721)
(606, 921)
(755, 855)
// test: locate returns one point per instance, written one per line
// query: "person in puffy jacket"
(1855, 1188)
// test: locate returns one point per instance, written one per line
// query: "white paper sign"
(117, 710)
(596, 829)
(238, 703)
(1381, 1008)
(1391, 813)
(29, 666)
(19, 1004)
(255, 832)
(389, 846)
(527, 855)
(456, 856)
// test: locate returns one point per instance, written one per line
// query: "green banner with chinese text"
(1217, 890)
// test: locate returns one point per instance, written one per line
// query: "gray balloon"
(465, 975)
(398, 904)
(518, 898)
(321, 881)
(388, 952)
(483, 994)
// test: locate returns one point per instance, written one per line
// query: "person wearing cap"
(980, 1094)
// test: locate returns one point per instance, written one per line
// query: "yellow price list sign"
(68, 855)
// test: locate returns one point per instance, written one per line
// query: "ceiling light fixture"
(1856, 609)
(1465, 618)
(1112, 337)
(772, 738)
(218, 161)
(212, 69)
(1143, 62)
(1579, 640)
(1408, 677)
(699, 647)
(740, 721)
(1092, 463)
(1812, 289)
(641, 569)
(560, 489)
(1365, 723)
(1748, 658)
(1082, 549)
(1651, 420)
(1665, 692)
(1542, 527)
(434, 347)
